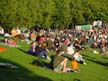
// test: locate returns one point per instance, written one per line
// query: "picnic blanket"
(6, 44)
(2, 49)
(7, 65)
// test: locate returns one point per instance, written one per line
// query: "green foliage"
(62, 13)
(46, 13)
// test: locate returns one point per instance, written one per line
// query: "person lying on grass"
(79, 57)
(10, 41)
(59, 62)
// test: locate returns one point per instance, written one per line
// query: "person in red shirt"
(41, 39)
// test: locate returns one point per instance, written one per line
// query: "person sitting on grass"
(32, 48)
(77, 45)
(41, 51)
(59, 62)
(10, 41)
(74, 65)
(103, 50)
(70, 50)
(78, 57)
(94, 45)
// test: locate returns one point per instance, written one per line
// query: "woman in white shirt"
(70, 49)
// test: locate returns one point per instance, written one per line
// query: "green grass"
(95, 70)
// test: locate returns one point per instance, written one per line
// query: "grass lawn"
(95, 70)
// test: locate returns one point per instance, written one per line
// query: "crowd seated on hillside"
(67, 40)
(55, 39)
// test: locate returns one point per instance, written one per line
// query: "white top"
(2, 31)
(70, 50)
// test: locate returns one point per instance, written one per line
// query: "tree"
(47, 13)
(62, 13)
(8, 13)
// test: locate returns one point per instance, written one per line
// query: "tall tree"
(62, 13)
(8, 9)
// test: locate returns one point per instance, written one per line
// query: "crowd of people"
(61, 41)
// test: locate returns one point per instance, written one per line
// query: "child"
(74, 65)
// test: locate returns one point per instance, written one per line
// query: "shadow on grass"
(18, 74)
(106, 58)
(38, 61)
(97, 61)
(69, 57)
(87, 56)
(76, 80)
(22, 50)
